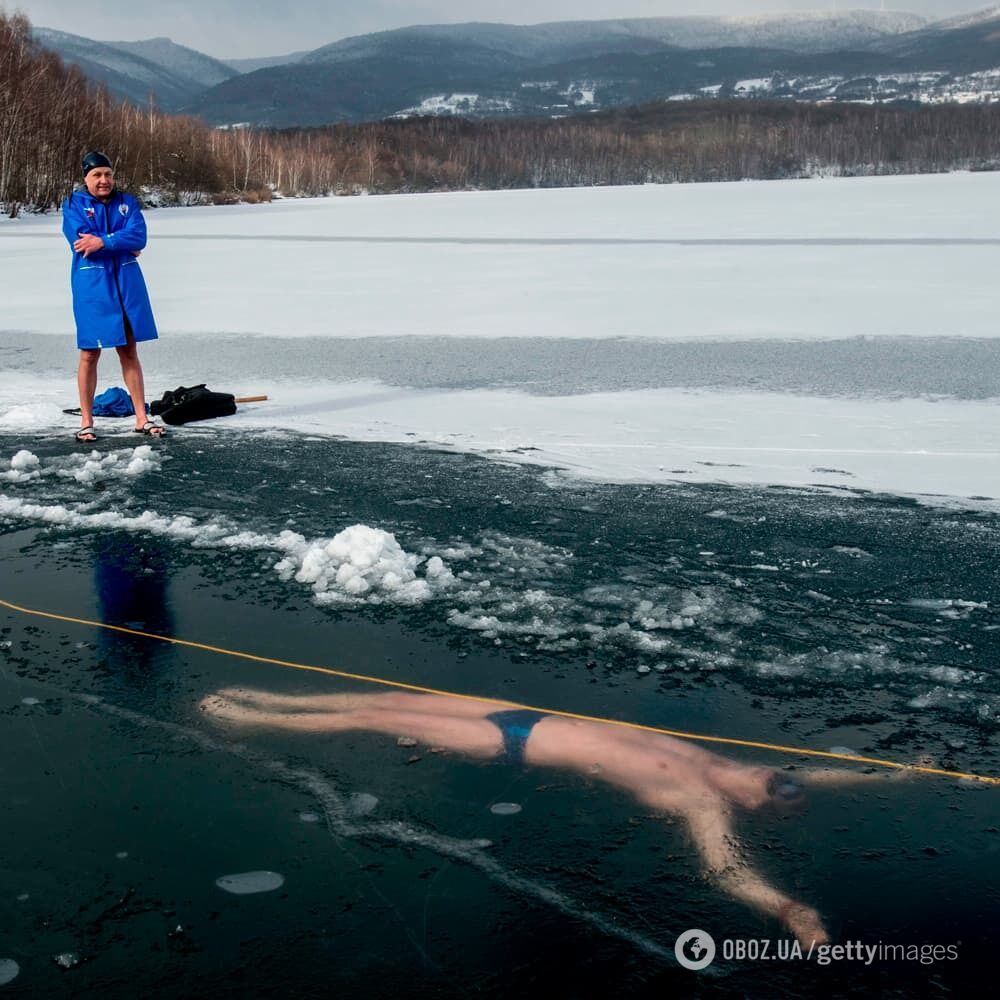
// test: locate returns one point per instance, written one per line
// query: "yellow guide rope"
(678, 734)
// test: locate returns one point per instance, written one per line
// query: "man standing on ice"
(111, 307)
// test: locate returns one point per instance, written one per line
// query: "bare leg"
(427, 704)
(132, 374)
(86, 383)
(478, 737)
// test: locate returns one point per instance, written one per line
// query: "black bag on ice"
(186, 404)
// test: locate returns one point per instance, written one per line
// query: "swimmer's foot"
(224, 710)
(230, 712)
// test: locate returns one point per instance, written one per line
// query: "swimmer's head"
(785, 793)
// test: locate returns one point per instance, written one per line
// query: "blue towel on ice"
(114, 402)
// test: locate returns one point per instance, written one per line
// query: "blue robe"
(108, 287)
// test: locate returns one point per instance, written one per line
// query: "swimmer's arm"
(842, 777)
(711, 829)
(834, 778)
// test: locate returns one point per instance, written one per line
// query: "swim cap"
(93, 160)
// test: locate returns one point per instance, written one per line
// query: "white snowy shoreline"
(797, 260)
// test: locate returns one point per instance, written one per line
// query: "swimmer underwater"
(667, 774)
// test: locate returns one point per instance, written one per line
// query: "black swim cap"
(93, 160)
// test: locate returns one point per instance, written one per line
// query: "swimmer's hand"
(88, 244)
(805, 924)
(914, 768)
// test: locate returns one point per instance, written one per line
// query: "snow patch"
(455, 104)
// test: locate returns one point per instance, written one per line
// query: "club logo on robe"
(123, 209)
(90, 213)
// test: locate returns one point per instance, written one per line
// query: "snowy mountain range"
(556, 68)
(184, 63)
(172, 73)
(562, 41)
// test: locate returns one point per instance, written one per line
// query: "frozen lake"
(837, 333)
(712, 459)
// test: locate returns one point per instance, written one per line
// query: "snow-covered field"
(851, 260)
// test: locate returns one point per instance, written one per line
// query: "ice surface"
(948, 607)
(790, 261)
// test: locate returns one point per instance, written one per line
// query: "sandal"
(151, 430)
(86, 435)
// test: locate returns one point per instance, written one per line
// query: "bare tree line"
(50, 114)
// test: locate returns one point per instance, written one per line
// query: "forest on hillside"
(50, 114)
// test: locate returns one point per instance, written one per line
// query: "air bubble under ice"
(505, 808)
(248, 883)
(9, 970)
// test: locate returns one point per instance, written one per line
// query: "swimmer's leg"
(227, 710)
(431, 704)
(477, 737)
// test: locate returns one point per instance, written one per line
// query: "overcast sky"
(245, 28)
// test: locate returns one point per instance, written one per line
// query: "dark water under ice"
(778, 616)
